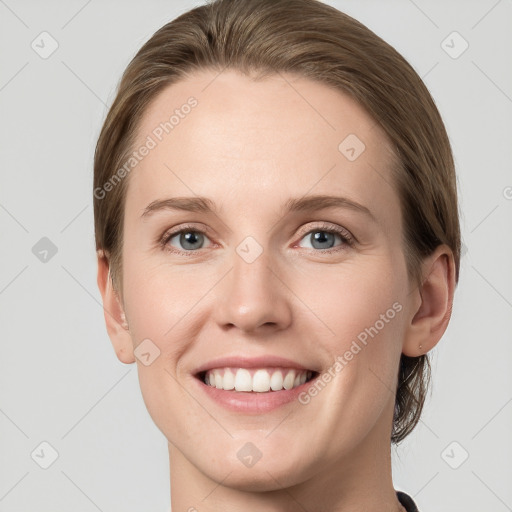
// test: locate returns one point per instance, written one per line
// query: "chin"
(258, 480)
(263, 476)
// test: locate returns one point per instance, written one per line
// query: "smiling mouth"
(257, 380)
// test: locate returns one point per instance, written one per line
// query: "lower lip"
(252, 402)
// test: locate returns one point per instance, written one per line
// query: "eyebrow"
(304, 204)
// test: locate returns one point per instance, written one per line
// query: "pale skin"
(250, 147)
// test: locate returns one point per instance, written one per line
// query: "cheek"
(160, 301)
(160, 305)
(362, 314)
(364, 310)
(356, 301)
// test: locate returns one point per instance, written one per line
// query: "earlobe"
(115, 318)
(430, 319)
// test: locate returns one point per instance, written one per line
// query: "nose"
(253, 296)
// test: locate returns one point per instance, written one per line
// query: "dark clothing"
(407, 502)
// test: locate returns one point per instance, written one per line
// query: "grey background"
(60, 381)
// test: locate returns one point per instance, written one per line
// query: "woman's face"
(260, 285)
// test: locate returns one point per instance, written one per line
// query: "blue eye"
(189, 238)
(322, 238)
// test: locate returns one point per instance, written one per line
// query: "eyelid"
(331, 228)
(199, 227)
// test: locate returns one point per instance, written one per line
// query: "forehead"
(224, 135)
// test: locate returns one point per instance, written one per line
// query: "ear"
(432, 303)
(115, 319)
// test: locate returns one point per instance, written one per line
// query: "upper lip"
(249, 362)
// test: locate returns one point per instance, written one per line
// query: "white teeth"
(257, 380)
(243, 380)
(229, 380)
(289, 379)
(276, 381)
(261, 381)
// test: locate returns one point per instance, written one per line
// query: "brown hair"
(315, 41)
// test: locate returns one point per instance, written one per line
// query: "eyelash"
(345, 236)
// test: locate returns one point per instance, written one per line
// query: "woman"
(278, 242)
